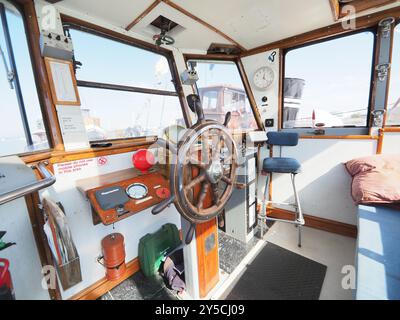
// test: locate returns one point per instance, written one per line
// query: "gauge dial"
(263, 78)
(137, 191)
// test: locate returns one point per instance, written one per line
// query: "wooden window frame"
(72, 23)
(246, 85)
(337, 131)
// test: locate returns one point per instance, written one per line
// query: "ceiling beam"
(359, 6)
(142, 15)
(202, 22)
(363, 22)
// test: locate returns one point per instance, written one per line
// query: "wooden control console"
(119, 195)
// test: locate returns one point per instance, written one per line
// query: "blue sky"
(337, 73)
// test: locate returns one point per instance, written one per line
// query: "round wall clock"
(263, 78)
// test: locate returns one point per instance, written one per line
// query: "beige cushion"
(376, 179)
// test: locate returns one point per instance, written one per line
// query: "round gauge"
(263, 78)
(137, 191)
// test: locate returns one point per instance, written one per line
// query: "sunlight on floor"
(330, 249)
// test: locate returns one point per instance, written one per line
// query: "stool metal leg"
(266, 199)
(299, 212)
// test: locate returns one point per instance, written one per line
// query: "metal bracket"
(377, 118)
(386, 26)
(383, 70)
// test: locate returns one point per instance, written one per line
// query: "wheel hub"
(215, 172)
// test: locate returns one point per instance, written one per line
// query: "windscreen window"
(328, 84)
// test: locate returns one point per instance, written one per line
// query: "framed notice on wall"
(62, 82)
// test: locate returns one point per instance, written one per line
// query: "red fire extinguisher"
(6, 286)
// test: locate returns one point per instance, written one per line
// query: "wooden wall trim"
(341, 228)
(325, 32)
(391, 129)
(102, 286)
(350, 137)
(142, 15)
(335, 9)
(202, 22)
(48, 108)
(250, 95)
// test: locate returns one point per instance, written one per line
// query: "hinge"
(383, 70)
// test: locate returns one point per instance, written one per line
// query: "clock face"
(263, 78)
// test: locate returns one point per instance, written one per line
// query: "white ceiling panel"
(253, 23)
(117, 12)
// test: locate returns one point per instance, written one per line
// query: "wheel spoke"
(217, 142)
(205, 148)
(196, 162)
(226, 180)
(195, 181)
(216, 198)
(202, 195)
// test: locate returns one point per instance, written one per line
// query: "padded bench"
(378, 254)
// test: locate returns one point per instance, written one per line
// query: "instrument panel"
(120, 200)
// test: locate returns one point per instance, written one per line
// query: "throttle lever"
(189, 235)
(228, 118)
(162, 205)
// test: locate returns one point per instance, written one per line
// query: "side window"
(21, 123)
(128, 97)
(328, 84)
(393, 116)
(221, 90)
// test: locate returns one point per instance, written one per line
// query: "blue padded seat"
(378, 255)
(281, 165)
(287, 139)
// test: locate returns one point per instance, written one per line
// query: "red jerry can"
(6, 286)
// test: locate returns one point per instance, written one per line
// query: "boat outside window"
(328, 84)
(21, 124)
(221, 90)
(393, 116)
(132, 96)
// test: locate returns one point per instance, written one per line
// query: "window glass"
(117, 114)
(221, 90)
(328, 84)
(12, 135)
(110, 114)
(118, 63)
(393, 117)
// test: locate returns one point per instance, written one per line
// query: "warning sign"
(73, 166)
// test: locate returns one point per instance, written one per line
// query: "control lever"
(194, 103)
(189, 235)
(162, 206)
(228, 118)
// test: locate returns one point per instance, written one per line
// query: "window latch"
(383, 70)
(386, 26)
(10, 74)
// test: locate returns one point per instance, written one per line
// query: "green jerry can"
(155, 246)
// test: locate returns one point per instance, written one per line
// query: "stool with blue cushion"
(282, 165)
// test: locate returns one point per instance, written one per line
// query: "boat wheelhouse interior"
(183, 149)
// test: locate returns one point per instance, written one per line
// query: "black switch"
(58, 38)
(264, 99)
(269, 123)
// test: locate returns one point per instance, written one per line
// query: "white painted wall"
(25, 266)
(87, 237)
(324, 184)
(391, 143)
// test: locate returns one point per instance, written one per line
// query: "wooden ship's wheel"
(203, 163)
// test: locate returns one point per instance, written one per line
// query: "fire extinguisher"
(6, 286)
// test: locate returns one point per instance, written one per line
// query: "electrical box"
(189, 77)
(241, 209)
(54, 45)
